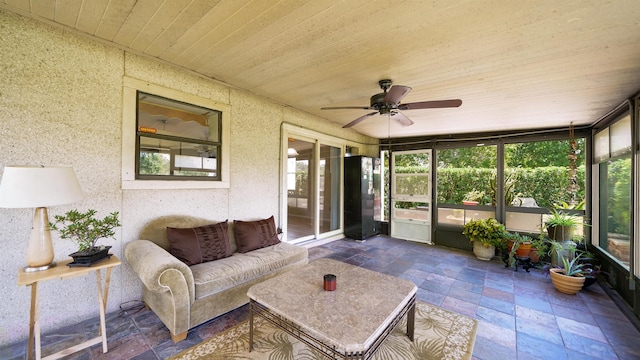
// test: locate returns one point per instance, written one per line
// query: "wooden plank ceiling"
(515, 64)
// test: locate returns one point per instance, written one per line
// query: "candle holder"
(329, 282)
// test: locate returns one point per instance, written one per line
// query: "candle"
(329, 282)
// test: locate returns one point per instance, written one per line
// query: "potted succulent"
(539, 247)
(518, 247)
(485, 234)
(568, 279)
(85, 229)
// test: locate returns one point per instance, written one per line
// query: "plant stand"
(61, 273)
(523, 261)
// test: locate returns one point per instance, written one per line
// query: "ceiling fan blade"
(346, 107)
(401, 119)
(396, 93)
(356, 121)
(430, 104)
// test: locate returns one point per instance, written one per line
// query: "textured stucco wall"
(61, 104)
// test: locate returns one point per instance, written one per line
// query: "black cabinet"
(361, 197)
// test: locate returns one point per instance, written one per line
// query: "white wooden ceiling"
(515, 64)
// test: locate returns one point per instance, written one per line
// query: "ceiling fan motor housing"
(378, 103)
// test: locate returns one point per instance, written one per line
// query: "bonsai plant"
(485, 234)
(569, 278)
(85, 229)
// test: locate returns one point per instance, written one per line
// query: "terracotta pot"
(566, 284)
(483, 252)
(522, 251)
(534, 256)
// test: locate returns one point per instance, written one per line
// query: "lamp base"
(28, 269)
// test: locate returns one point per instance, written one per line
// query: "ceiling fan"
(388, 103)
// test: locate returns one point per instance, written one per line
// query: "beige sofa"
(185, 296)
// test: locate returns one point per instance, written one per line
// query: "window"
(176, 140)
(173, 140)
(466, 184)
(612, 174)
(541, 175)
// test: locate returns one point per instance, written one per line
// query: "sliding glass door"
(300, 189)
(313, 188)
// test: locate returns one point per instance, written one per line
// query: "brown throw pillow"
(252, 235)
(200, 244)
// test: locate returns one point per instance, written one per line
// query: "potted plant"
(485, 234)
(560, 225)
(591, 268)
(569, 278)
(539, 247)
(85, 229)
(518, 247)
(559, 250)
(474, 197)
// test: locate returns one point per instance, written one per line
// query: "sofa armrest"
(158, 270)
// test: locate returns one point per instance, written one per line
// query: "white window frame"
(129, 98)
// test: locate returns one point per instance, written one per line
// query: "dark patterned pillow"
(252, 235)
(200, 244)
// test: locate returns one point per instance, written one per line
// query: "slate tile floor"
(520, 315)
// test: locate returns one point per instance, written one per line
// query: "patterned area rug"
(439, 334)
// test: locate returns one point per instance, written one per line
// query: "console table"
(62, 272)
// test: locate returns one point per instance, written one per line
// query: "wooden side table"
(62, 271)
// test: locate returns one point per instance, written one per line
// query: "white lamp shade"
(291, 152)
(38, 186)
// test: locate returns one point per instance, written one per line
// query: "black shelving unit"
(361, 197)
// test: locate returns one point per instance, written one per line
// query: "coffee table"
(348, 323)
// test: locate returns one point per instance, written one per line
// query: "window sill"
(172, 185)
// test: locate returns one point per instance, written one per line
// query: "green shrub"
(547, 185)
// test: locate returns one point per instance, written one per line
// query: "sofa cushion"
(252, 235)
(199, 244)
(216, 276)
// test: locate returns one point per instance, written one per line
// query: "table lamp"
(38, 187)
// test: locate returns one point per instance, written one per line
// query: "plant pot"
(588, 281)
(522, 251)
(560, 233)
(556, 256)
(90, 256)
(566, 284)
(469, 202)
(534, 255)
(483, 252)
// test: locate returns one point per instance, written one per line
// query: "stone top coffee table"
(350, 322)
